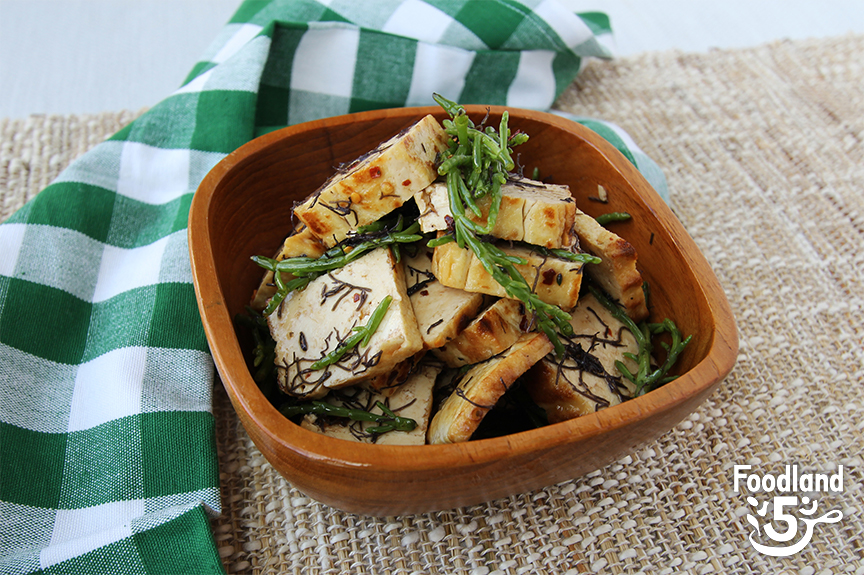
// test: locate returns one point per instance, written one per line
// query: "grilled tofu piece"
(554, 280)
(375, 184)
(301, 243)
(442, 312)
(482, 386)
(412, 399)
(396, 376)
(494, 330)
(617, 273)
(530, 211)
(585, 379)
(312, 322)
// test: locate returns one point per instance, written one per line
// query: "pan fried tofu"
(494, 330)
(396, 376)
(617, 273)
(482, 386)
(312, 322)
(585, 380)
(301, 243)
(375, 184)
(442, 312)
(531, 211)
(412, 399)
(555, 281)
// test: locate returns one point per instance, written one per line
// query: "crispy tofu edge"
(390, 352)
(300, 243)
(418, 386)
(544, 218)
(564, 390)
(461, 413)
(455, 316)
(617, 273)
(490, 333)
(459, 268)
(369, 182)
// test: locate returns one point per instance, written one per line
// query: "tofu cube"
(301, 243)
(616, 273)
(442, 312)
(585, 379)
(411, 399)
(554, 280)
(310, 323)
(496, 328)
(375, 184)
(482, 386)
(530, 211)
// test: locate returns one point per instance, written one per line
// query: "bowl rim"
(250, 402)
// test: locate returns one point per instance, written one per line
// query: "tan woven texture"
(763, 151)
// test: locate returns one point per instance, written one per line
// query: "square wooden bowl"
(243, 207)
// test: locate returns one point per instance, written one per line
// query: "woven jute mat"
(763, 151)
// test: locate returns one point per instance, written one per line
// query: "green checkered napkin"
(107, 449)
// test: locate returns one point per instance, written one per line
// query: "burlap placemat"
(763, 151)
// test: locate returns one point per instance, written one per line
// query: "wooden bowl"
(243, 207)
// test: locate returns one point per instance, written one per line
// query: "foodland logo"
(791, 482)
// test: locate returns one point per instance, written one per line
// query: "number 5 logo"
(779, 503)
(792, 526)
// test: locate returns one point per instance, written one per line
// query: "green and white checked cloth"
(107, 448)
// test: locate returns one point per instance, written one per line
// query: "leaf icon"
(752, 520)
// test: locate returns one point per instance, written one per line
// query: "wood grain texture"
(243, 207)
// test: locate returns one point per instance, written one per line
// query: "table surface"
(103, 55)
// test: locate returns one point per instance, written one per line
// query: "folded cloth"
(107, 449)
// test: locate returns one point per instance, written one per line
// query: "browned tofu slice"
(411, 399)
(442, 312)
(555, 281)
(494, 330)
(585, 379)
(398, 375)
(482, 386)
(530, 211)
(376, 184)
(301, 243)
(617, 273)
(310, 323)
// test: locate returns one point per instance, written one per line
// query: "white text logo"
(791, 482)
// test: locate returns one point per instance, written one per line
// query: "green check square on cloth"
(107, 446)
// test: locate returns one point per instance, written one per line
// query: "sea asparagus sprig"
(305, 269)
(502, 267)
(610, 217)
(476, 165)
(387, 421)
(361, 336)
(645, 379)
(563, 254)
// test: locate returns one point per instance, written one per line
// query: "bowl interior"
(244, 207)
